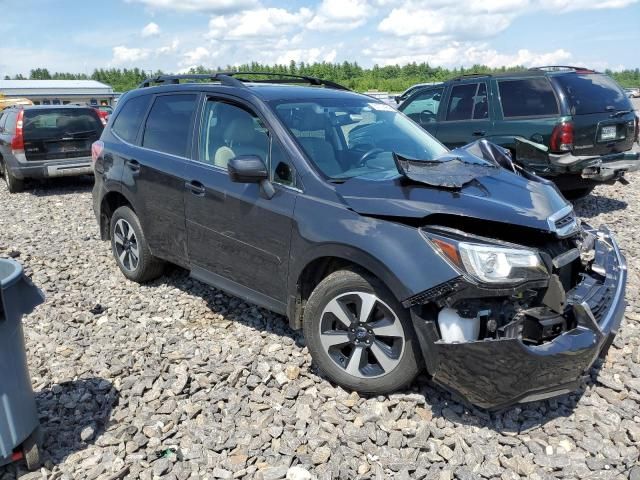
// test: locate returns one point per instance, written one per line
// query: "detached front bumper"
(599, 168)
(497, 373)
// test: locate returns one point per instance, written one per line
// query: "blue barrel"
(18, 414)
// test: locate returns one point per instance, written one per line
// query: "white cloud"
(150, 30)
(122, 54)
(340, 15)
(260, 23)
(449, 20)
(171, 48)
(217, 6)
(196, 56)
(474, 19)
(309, 55)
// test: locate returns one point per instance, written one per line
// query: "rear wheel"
(14, 185)
(130, 247)
(359, 335)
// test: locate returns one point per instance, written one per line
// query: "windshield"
(351, 137)
(593, 93)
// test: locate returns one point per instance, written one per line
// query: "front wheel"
(130, 247)
(359, 335)
(577, 193)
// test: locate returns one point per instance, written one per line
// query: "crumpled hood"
(500, 197)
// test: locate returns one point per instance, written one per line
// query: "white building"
(58, 92)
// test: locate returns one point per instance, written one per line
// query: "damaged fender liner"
(495, 373)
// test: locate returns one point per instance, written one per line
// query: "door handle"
(195, 187)
(133, 165)
(479, 133)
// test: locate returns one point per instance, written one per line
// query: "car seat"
(241, 138)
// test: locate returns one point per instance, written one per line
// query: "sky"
(174, 35)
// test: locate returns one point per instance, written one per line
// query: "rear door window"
(593, 93)
(527, 97)
(468, 101)
(127, 123)
(169, 124)
(61, 122)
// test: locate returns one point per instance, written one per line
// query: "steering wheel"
(428, 113)
(364, 158)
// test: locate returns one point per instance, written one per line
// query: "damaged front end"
(596, 168)
(520, 323)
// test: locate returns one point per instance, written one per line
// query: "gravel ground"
(177, 380)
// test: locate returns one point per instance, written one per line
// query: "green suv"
(569, 124)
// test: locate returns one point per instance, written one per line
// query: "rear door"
(467, 116)
(422, 107)
(154, 172)
(603, 116)
(60, 133)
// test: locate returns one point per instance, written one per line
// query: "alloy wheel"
(362, 334)
(126, 245)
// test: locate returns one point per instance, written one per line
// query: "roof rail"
(561, 68)
(468, 75)
(230, 79)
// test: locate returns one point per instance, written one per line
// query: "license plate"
(608, 133)
(68, 148)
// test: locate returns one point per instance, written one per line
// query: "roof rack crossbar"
(230, 79)
(561, 67)
(292, 79)
(223, 78)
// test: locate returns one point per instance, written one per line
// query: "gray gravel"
(176, 380)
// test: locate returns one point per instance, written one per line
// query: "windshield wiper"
(619, 113)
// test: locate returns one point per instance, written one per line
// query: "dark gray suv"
(46, 141)
(392, 253)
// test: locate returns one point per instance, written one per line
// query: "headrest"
(240, 129)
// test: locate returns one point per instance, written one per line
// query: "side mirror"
(251, 169)
(247, 169)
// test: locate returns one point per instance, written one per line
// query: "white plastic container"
(454, 328)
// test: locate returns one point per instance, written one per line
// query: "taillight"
(96, 150)
(17, 142)
(562, 138)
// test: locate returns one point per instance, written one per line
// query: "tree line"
(391, 78)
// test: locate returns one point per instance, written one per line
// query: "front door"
(238, 239)
(467, 116)
(422, 108)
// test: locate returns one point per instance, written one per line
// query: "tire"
(130, 248)
(387, 362)
(577, 193)
(14, 185)
(31, 451)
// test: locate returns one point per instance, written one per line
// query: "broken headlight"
(489, 263)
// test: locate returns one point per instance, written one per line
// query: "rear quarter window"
(127, 123)
(593, 93)
(527, 97)
(10, 121)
